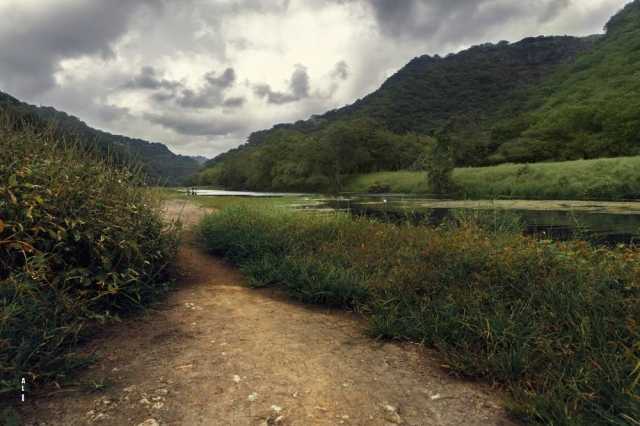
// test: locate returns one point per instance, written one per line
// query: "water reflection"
(598, 222)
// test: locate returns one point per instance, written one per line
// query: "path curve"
(219, 353)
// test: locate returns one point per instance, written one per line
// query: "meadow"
(82, 243)
(222, 202)
(554, 324)
(602, 179)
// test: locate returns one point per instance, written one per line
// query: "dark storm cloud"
(453, 21)
(34, 41)
(298, 88)
(196, 125)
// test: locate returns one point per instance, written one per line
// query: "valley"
(452, 239)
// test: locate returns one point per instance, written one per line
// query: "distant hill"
(158, 162)
(199, 159)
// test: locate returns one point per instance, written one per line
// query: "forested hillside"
(543, 98)
(588, 110)
(157, 161)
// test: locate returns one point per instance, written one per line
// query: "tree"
(439, 164)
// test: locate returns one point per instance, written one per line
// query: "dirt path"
(219, 353)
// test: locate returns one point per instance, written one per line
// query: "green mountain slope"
(424, 95)
(590, 109)
(543, 98)
(157, 161)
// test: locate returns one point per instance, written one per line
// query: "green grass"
(82, 242)
(611, 178)
(223, 202)
(555, 324)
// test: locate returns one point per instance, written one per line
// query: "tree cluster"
(289, 160)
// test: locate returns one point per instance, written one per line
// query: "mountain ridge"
(157, 160)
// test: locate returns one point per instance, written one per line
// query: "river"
(597, 221)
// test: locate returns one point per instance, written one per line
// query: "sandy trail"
(218, 353)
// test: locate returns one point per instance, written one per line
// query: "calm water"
(222, 193)
(601, 222)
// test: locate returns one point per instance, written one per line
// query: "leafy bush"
(557, 324)
(81, 242)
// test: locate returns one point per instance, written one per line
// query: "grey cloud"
(553, 9)
(226, 80)
(455, 21)
(235, 102)
(109, 113)
(34, 41)
(298, 88)
(212, 94)
(340, 71)
(195, 125)
(149, 78)
(163, 96)
(261, 6)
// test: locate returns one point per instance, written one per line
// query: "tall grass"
(557, 324)
(608, 178)
(81, 242)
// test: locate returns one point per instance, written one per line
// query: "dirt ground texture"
(219, 353)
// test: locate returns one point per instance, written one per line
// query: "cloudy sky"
(201, 75)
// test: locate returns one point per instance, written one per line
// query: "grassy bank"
(223, 202)
(557, 324)
(81, 243)
(609, 178)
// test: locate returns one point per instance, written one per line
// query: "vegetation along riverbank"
(82, 242)
(606, 178)
(554, 323)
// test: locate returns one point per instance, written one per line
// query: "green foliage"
(439, 165)
(555, 323)
(159, 164)
(607, 178)
(81, 242)
(292, 161)
(587, 110)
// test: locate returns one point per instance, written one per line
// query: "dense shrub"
(557, 324)
(81, 242)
